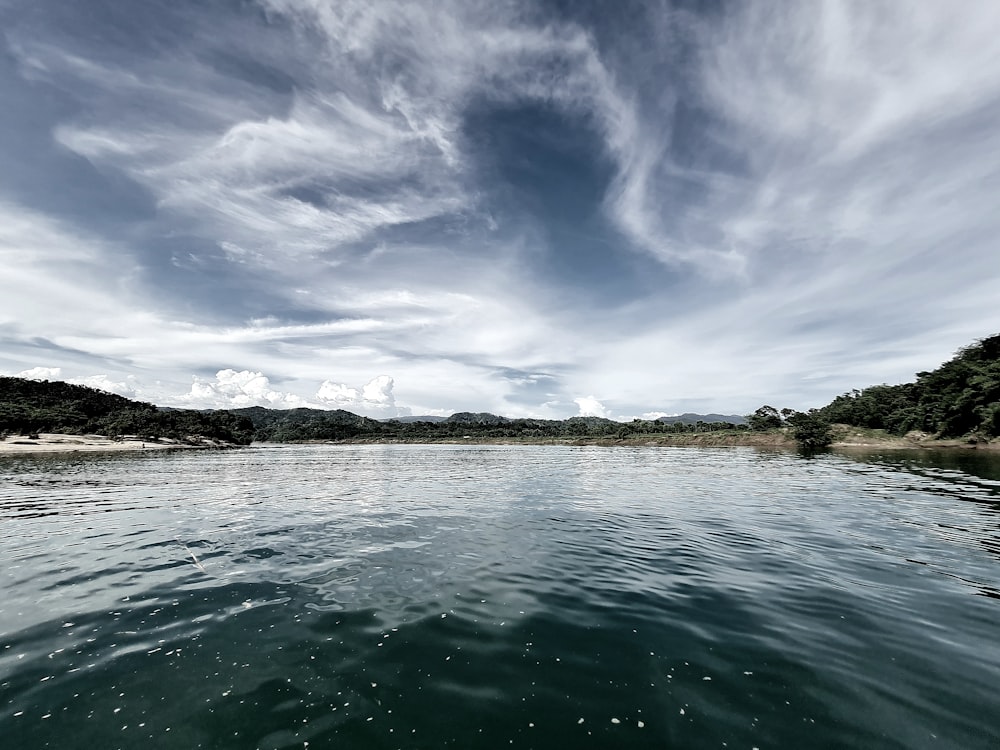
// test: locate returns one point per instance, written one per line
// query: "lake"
(500, 596)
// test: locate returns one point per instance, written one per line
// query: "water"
(488, 597)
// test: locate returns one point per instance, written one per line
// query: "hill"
(31, 406)
(959, 398)
(689, 418)
(423, 418)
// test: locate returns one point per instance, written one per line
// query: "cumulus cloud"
(591, 407)
(129, 387)
(40, 373)
(374, 399)
(236, 389)
(232, 389)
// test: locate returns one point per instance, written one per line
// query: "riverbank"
(845, 438)
(50, 442)
(848, 437)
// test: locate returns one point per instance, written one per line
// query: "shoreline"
(54, 442)
(854, 439)
(767, 440)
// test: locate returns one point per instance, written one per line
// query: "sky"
(535, 209)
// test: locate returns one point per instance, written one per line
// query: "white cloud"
(652, 416)
(591, 407)
(374, 399)
(40, 373)
(129, 387)
(837, 200)
(231, 390)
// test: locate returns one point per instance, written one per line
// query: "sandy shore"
(48, 442)
(868, 440)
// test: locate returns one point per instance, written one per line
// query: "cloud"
(652, 416)
(231, 389)
(863, 120)
(129, 387)
(779, 205)
(374, 399)
(591, 407)
(40, 373)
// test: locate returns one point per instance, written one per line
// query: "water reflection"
(546, 596)
(970, 478)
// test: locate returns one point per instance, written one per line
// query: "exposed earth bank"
(845, 437)
(50, 442)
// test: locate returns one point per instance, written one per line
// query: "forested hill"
(961, 397)
(31, 406)
(311, 424)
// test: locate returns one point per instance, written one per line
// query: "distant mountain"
(468, 417)
(29, 406)
(281, 425)
(689, 418)
(593, 422)
(408, 420)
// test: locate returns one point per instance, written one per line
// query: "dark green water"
(497, 597)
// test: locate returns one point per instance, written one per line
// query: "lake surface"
(500, 596)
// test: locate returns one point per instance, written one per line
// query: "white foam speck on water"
(641, 724)
(615, 721)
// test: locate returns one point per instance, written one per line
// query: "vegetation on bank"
(960, 399)
(30, 406)
(307, 424)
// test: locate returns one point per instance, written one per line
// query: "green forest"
(30, 406)
(961, 398)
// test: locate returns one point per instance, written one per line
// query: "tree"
(810, 430)
(765, 418)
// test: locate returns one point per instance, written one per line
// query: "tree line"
(296, 425)
(30, 406)
(960, 398)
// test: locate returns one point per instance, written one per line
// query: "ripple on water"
(412, 596)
